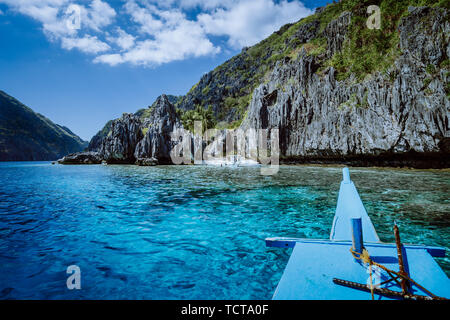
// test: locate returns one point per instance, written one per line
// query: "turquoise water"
(185, 232)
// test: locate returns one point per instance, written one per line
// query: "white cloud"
(189, 4)
(86, 44)
(123, 40)
(143, 17)
(186, 40)
(154, 32)
(169, 36)
(45, 11)
(51, 13)
(250, 21)
(174, 37)
(111, 59)
(99, 14)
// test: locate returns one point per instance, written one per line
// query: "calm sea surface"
(185, 232)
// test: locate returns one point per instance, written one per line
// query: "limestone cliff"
(337, 90)
(162, 121)
(396, 117)
(119, 145)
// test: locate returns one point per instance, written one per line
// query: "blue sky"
(84, 62)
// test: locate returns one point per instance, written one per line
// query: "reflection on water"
(188, 232)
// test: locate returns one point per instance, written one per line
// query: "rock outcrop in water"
(310, 81)
(143, 138)
(397, 120)
(96, 141)
(146, 162)
(157, 142)
(81, 158)
(120, 143)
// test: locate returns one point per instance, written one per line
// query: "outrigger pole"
(360, 253)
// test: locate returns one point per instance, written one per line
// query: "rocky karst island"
(338, 188)
(337, 91)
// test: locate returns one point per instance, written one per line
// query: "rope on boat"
(365, 258)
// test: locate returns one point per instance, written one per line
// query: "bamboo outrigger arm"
(283, 242)
(401, 277)
(383, 291)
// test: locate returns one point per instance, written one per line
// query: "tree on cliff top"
(206, 116)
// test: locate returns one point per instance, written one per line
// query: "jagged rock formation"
(142, 114)
(157, 142)
(336, 32)
(146, 162)
(387, 119)
(304, 33)
(29, 136)
(81, 158)
(96, 141)
(424, 35)
(143, 138)
(337, 91)
(223, 87)
(120, 143)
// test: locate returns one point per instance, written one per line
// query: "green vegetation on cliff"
(350, 47)
(228, 88)
(145, 112)
(206, 116)
(29, 136)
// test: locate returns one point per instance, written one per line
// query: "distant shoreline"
(328, 163)
(343, 165)
(414, 161)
